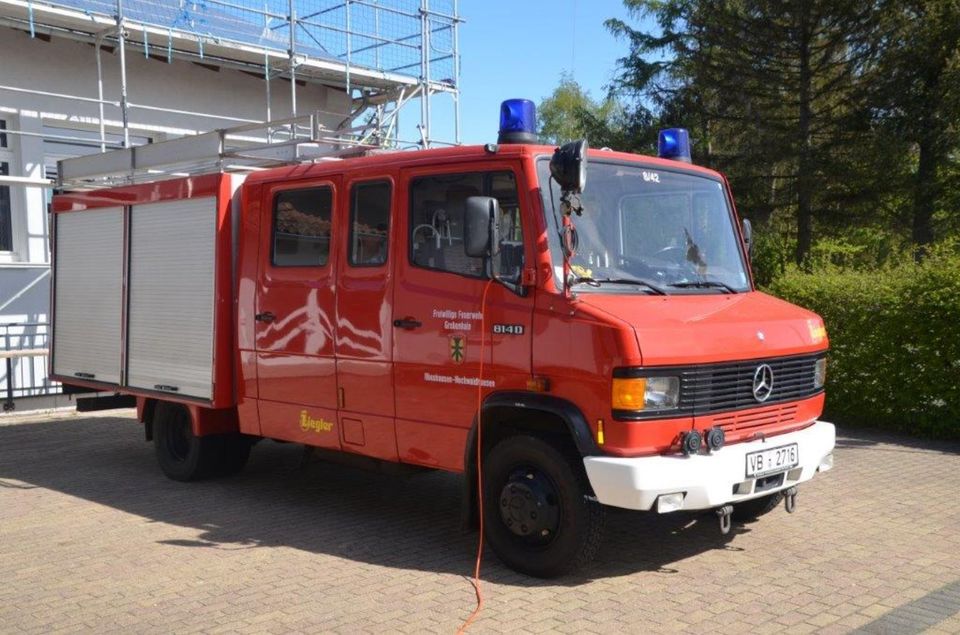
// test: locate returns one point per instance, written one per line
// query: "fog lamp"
(669, 502)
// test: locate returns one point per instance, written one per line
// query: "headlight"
(820, 373)
(646, 393)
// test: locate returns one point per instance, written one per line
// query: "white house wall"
(69, 67)
(66, 66)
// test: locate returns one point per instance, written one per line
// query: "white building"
(71, 85)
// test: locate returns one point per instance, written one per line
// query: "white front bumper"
(706, 480)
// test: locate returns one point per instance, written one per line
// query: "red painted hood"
(702, 328)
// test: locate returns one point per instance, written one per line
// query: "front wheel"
(540, 515)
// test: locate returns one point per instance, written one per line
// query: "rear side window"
(301, 227)
(436, 222)
(369, 223)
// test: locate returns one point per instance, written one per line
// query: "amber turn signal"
(628, 394)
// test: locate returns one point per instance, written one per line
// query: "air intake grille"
(757, 419)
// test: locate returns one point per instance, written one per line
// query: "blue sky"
(519, 48)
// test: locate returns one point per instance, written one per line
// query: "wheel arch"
(514, 412)
(203, 421)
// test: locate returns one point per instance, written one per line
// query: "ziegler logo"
(308, 423)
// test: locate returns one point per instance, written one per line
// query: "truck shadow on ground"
(408, 522)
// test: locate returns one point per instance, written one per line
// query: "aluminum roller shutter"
(172, 251)
(87, 296)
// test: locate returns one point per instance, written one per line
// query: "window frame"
(354, 188)
(7, 156)
(276, 194)
(486, 173)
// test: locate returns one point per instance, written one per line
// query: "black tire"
(182, 455)
(235, 453)
(555, 523)
(754, 509)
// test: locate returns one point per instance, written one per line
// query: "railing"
(25, 350)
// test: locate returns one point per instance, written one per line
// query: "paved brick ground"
(93, 538)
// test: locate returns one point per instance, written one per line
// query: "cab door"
(296, 310)
(364, 333)
(438, 317)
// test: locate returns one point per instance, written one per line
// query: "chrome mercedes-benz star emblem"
(762, 382)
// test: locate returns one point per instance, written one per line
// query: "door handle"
(266, 316)
(408, 323)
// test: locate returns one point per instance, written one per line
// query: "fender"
(573, 419)
(204, 421)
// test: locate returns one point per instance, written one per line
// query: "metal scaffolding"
(384, 54)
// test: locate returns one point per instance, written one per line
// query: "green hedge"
(894, 341)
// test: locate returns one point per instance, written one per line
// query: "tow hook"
(724, 515)
(790, 499)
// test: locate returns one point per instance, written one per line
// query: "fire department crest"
(458, 348)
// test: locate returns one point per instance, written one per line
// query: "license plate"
(766, 462)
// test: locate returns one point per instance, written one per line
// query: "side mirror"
(748, 236)
(481, 227)
(569, 166)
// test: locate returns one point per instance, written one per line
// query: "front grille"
(728, 386)
(723, 387)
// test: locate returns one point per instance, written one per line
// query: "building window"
(6, 222)
(370, 223)
(6, 212)
(301, 227)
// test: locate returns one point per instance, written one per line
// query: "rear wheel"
(235, 453)
(540, 516)
(754, 509)
(182, 455)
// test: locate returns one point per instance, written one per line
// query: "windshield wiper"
(704, 284)
(596, 282)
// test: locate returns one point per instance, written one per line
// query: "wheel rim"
(530, 506)
(177, 439)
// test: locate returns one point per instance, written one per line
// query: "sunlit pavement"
(94, 538)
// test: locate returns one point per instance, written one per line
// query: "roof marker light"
(674, 143)
(518, 121)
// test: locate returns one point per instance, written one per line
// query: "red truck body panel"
(333, 370)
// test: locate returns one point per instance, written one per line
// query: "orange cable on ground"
(476, 568)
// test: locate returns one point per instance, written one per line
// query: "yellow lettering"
(308, 423)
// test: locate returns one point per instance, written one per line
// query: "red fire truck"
(588, 316)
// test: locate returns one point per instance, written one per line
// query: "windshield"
(669, 229)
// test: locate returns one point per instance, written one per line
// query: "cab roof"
(404, 159)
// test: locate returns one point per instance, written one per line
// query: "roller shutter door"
(172, 251)
(87, 296)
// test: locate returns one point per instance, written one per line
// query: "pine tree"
(772, 90)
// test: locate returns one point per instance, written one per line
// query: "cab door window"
(437, 206)
(301, 227)
(369, 223)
